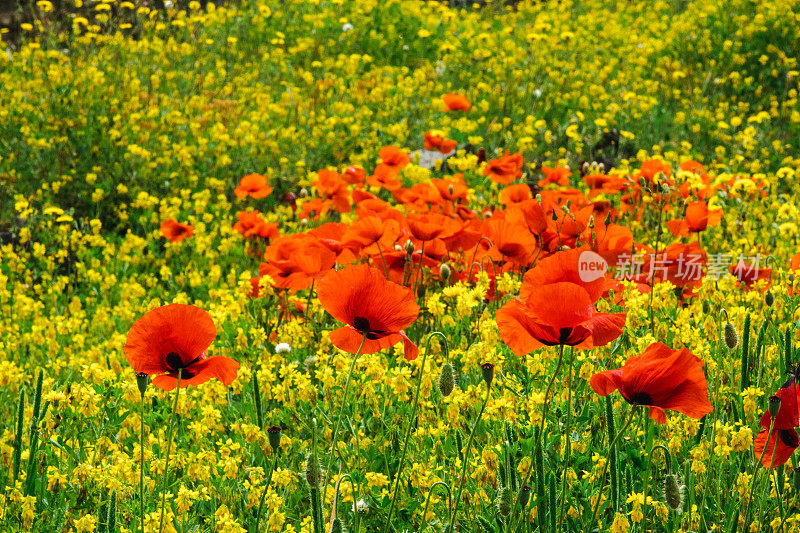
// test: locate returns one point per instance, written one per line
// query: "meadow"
(328, 265)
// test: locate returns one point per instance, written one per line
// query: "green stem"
(605, 466)
(568, 443)
(758, 464)
(408, 431)
(428, 499)
(141, 464)
(169, 446)
(451, 525)
(344, 402)
(264, 494)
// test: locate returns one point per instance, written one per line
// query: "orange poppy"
(251, 224)
(175, 231)
(175, 337)
(652, 167)
(254, 185)
(456, 102)
(557, 175)
(393, 160)
(748, 273)
(505, 169)
(332, 187)
(294, 261)
(354, 175)
(374, 309)
(556, 307)
(660, 378)
(698, 218)
(437, 142)
(515, 194)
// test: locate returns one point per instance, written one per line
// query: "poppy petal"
(185, 330)
(604, 383)
(782, 443)
(364, 292)
(561, 266)
(220, 367)
(518, 330)
(560, 305)
(605, 327)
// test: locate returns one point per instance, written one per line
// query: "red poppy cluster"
(783, 440)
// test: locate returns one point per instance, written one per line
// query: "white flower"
(347, 27)
(361, 506)
(283, 347)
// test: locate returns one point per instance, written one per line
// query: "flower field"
(400, 266)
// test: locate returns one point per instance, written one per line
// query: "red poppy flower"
(354, 175)
(660, 378)
(254, 185)
(251, 224)
(515, 194)
(505, 169)
(371, 306)
(698, 218)
(456, 102)
(748, 273)
(434, 141)
(557, 175)
(175, 337)
(393, 160)
(784, 440)
(556, 307)
(332, 187)
(175, 231)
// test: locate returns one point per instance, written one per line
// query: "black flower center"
(641, 398)
(362, 326)
(175, 363)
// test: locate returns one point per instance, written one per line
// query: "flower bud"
(774, 406)
(445, 272)
(142, 380)
(409, 247)
(796, 479)
(504, 501)
(446, 381)
(487, 369)
(672, 492)
(274, 435)
(524, 496)
(706, 307)
(336, 525)
(769, 299)
(731, 337)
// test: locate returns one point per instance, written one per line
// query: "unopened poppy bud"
(409, 247)
(565, 208)
(591, 222)
(731, 337)
(274, 435)
(642, 182)
(601, 166)
(539, 199)
(608, 218)
(769, 299)
(312, 471)
(303, 192)
(446, 381)
(524, 496)
(672, 492)
(336, 525)
(706, 307)
(774, 406)
(487, 369)
(142, 380)
(796, 479)
(585, 167)
(444, 272)
(504, 501)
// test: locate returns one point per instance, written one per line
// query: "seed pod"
(672, 492)
(774, 406)
(142, 380)
(504, 501)
(731, 337)
(336, 525)
(524, 496)
(487, 369)
(274, 435)
(446, 381)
